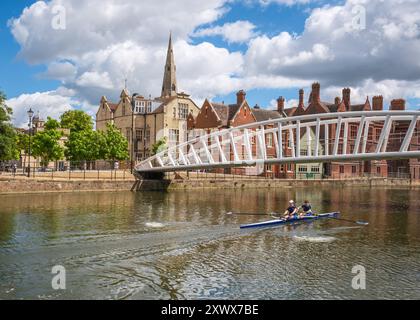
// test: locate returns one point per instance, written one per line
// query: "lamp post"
(133, 109)
(30, 116)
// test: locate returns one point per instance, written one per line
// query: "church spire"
(169, 86)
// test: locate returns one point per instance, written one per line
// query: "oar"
(362, 223)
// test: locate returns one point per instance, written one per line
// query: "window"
(282, 168)
(270, 140)
(149, 106)
(139, 134)
(183, 111)
(139, 156)
(377, 134)
(173, 136)
(378, 170)
(289, 167)
(303, 169)
(370, 135)
(147, 135)
(315, 169)
(353, 169)
(268, 168)
(140, 107)
(304, 152)
(341, 169)
(353, 132)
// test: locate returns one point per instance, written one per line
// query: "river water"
(183, 245)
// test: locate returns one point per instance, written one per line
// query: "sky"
(66, 54)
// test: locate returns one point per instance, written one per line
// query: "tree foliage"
(159, 146)
(76, 120)
(8, 135)
(46, 144)
(86, 145)
(116, 145)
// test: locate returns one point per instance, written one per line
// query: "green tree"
(86, 145)
(76, 120)
(8, 135)
(52, 124)
(47, 147)
(159, 146)
(116, 145)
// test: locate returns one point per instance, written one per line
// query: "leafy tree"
(159, 146)
(116, 145)
(47, 147)
(76, 120)
(8, 135)
(86, 145)
(52, 124)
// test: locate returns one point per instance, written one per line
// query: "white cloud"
(48, 104)
(108, 41)
(236, 32)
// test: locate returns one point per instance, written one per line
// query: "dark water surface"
(183, 245)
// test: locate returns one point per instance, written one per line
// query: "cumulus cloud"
(236, 32)
(100, 48)
(51, 104)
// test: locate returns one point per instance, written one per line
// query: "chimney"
(280, 104)
(240, 97)
(316, 92)
(337, 101)
(397, 105)
(301, 98)
(346, 98)
(378, 103)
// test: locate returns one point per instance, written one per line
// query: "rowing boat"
(277, 222)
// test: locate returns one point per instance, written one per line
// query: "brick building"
(344, 104)
(219, 116)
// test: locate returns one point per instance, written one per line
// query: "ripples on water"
(183, 245)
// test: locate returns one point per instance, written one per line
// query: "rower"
(306, 209)
(291, 211)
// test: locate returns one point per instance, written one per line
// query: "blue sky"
(289, 44)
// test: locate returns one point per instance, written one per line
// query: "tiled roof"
(263, 115)
(357, 107)
(290, 111)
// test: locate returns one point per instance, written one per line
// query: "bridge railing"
(311, 138)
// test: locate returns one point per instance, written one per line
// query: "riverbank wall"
(55, 186)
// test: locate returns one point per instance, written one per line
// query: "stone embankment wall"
(41, 186)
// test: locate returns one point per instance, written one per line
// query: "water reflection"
(183, 245)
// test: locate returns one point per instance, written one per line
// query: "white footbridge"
(349, 136)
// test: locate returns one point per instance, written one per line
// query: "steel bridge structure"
(347, 136)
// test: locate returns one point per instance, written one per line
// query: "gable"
(315, 108)
(242, 116)
(207, 117)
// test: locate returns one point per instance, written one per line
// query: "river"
(183, 245)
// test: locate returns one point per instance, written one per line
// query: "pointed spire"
(169, 87)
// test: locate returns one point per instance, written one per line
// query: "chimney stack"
(378, 103)
(346, 98)
(316, 92)
(280, 104)
(240, 97)
(397, 105)
(301, 98)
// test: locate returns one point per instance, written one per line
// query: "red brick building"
(219, 116)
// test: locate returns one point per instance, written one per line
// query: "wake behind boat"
(289, 221)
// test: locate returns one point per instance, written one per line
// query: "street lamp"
(30, 116)
(133, 108)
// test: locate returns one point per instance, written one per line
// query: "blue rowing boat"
(278, 222)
